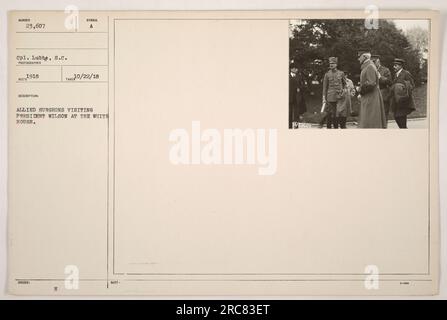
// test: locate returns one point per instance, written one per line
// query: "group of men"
(378, 91)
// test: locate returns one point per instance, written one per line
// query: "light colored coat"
(372, 111)
(344, 106)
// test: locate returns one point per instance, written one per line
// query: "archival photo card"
(163, 153)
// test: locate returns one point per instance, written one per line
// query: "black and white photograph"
(354, 73)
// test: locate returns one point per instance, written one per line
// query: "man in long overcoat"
(372, 111)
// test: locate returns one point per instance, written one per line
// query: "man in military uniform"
(385, 82)
(333, 84)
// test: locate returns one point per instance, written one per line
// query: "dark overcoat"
(403, 109)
